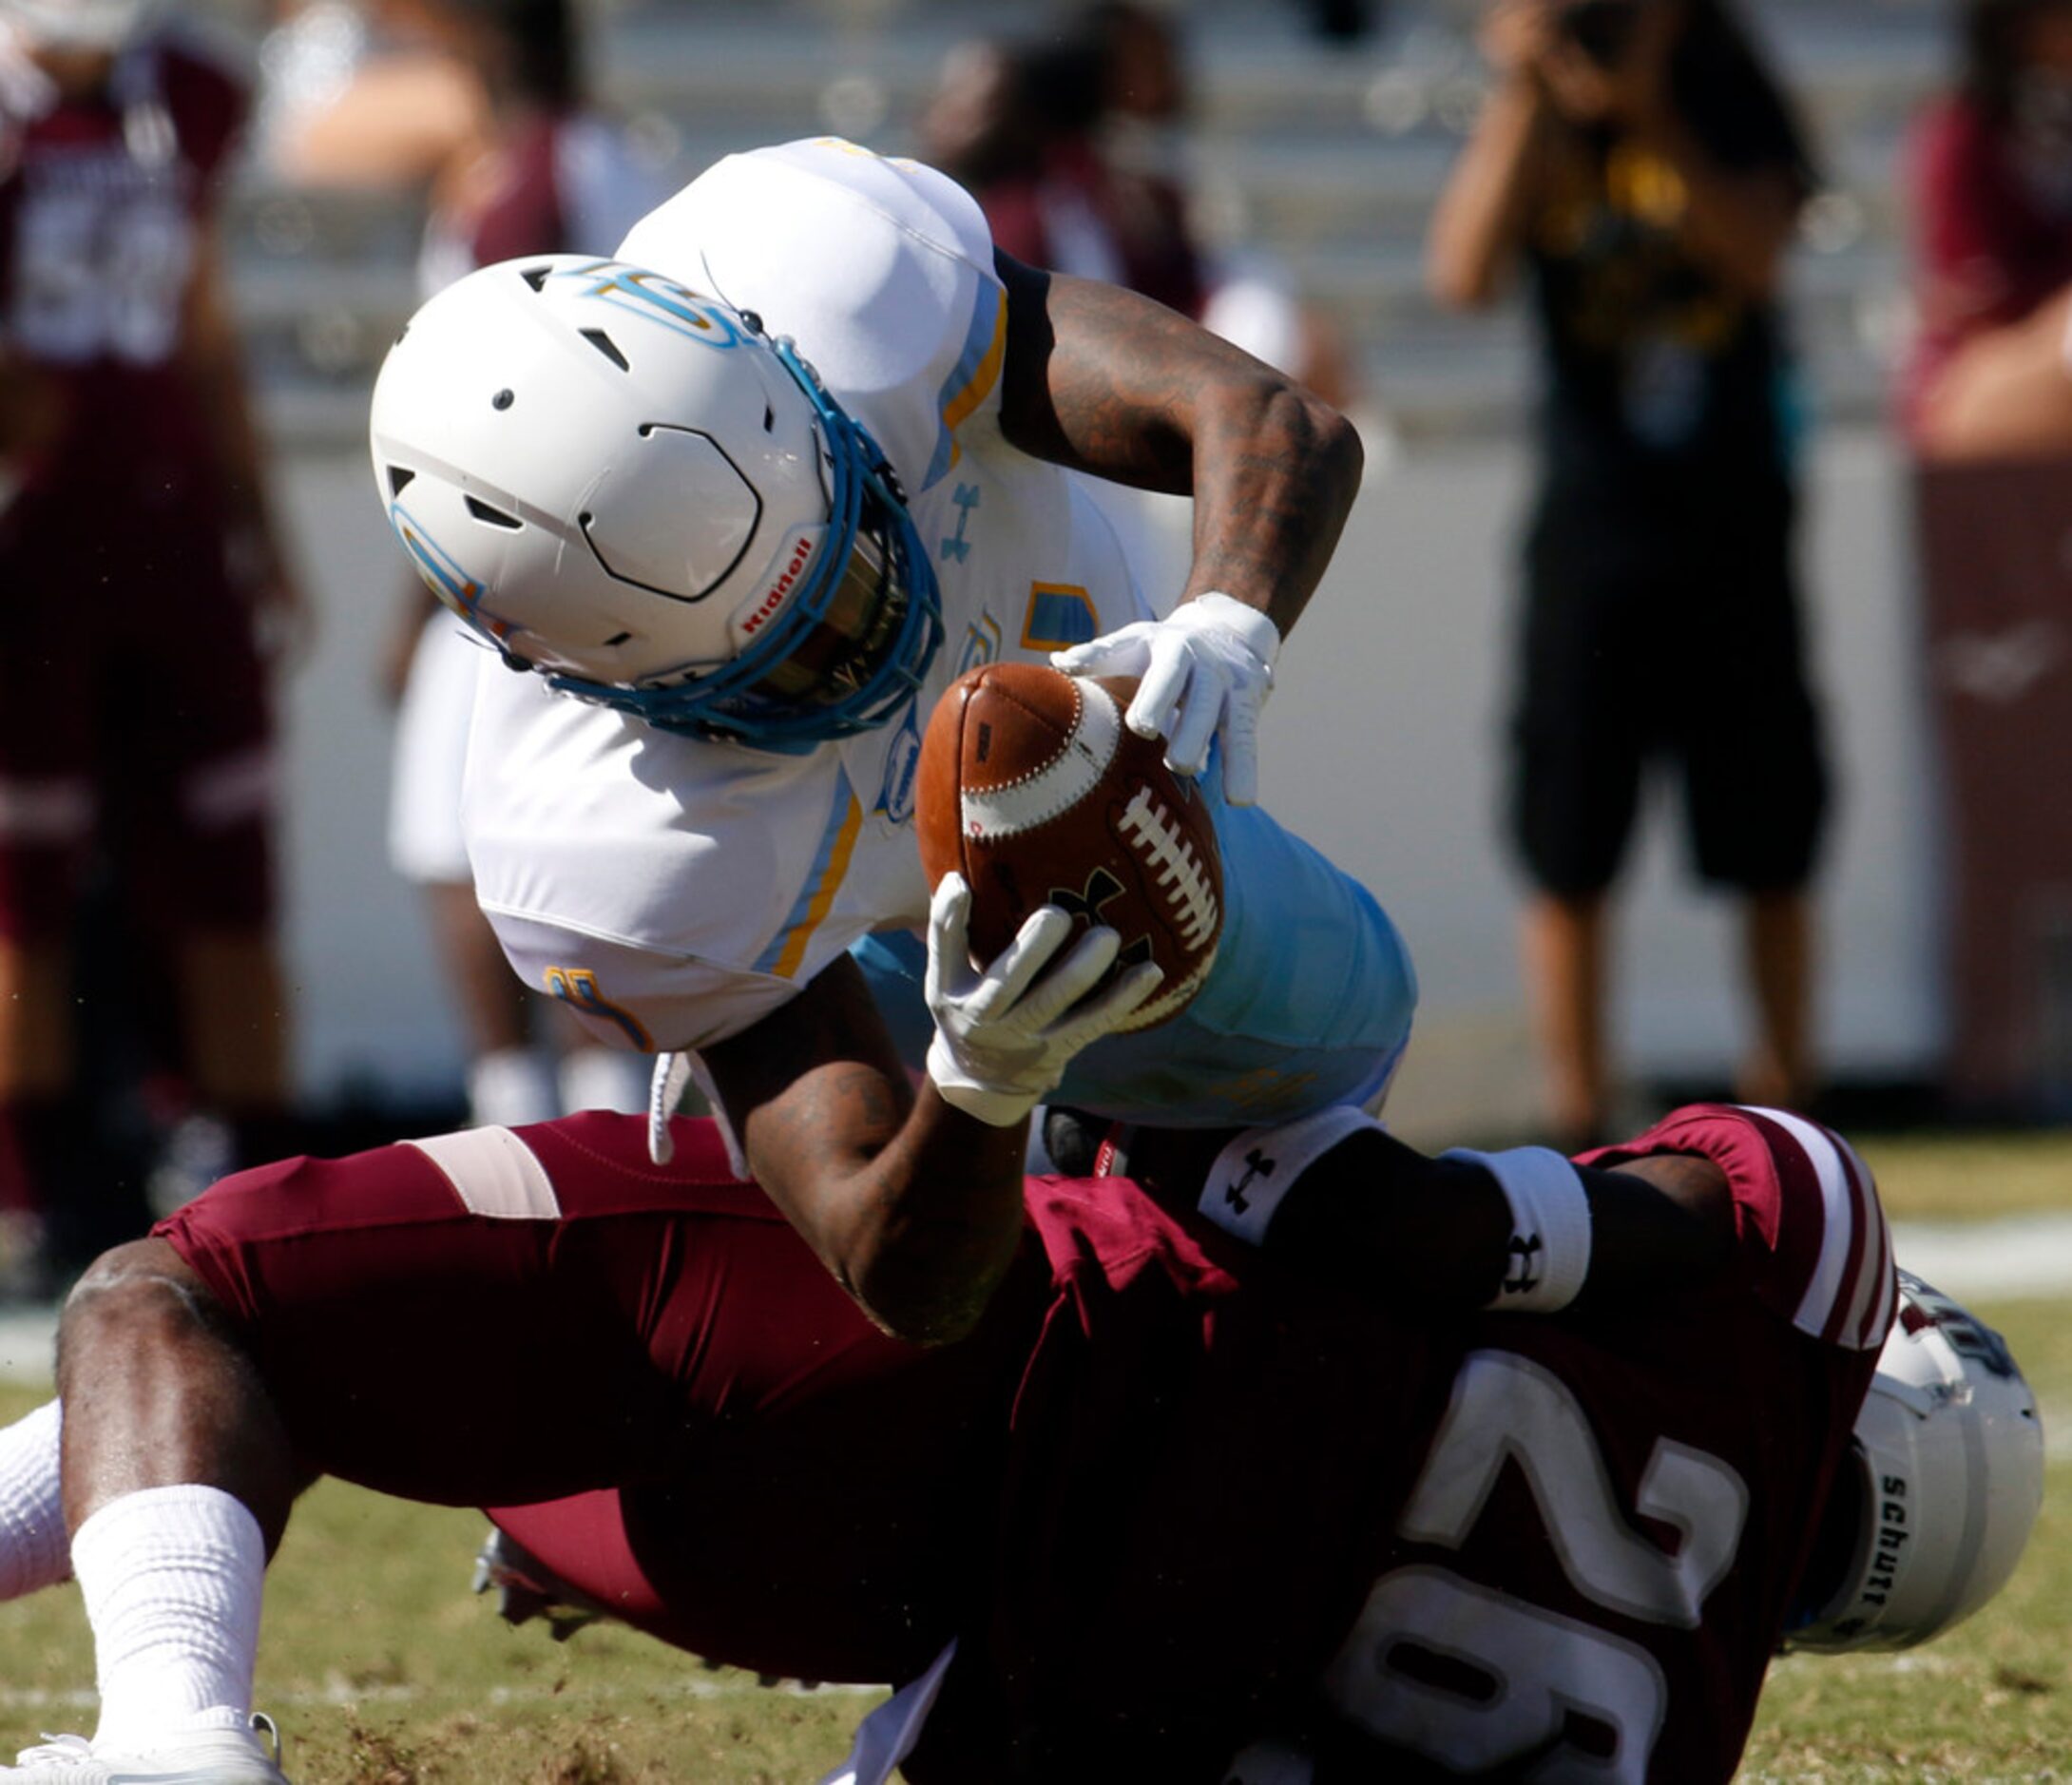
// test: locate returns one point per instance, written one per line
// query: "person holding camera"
(1645, 167)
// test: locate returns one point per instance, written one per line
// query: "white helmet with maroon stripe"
(1938, 1492)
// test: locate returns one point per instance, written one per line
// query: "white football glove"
(1003, 1037)
(1207, 670)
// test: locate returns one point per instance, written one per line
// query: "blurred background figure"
(144, 587)
(1027, 127)
(372, 93)
(513, 161)
(1987, 405)
(1076, 146)
(1644, 164)
(1991, 178)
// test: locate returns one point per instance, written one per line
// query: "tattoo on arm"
(1106, 382)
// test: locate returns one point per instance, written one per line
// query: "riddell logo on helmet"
(781, 587)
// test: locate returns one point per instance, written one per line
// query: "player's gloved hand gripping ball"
(1004, 1036)
(1204, 671)
(1040, 819)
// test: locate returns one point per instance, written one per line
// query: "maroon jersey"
(104, 203)
(1478, 1544)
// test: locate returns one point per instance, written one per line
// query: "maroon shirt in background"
(106, 203)
(1991, 247)
(1143, 217)
(526, 212)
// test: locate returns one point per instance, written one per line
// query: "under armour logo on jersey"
(1257, 1165)
(1522, 1274)
(1101, 888)
(956, 545)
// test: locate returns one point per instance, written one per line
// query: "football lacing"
(1182, 876)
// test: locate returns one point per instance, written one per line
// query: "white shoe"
(195, 1756)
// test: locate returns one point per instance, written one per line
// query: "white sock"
(172, 1577)
(606, 1078)
(510, 1089)
(33, 1552)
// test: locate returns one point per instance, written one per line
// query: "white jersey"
(676, 890)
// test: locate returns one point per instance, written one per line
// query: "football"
(1034, 789)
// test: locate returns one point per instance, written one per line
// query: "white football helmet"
(1936, 1497)
(630, 486)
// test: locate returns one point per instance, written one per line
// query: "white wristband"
(1251, 1177)
(1549, 1252)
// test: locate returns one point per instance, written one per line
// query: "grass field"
(382, 1670)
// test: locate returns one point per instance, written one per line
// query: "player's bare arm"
(1107, 381)
(914, 1207)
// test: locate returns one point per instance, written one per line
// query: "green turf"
(1993, 1700)
(1965, 1177)
(383, 1671)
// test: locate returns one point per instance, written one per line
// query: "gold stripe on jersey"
(791, 948)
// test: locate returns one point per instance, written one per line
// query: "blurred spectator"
(1075, 146)
(1646, 167)
(377, 95)
(141, 568)
(1991, 176)
(527, 168)
(1989, 408)
(1024, 127)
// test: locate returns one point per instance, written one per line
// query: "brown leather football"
(1034, 789)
